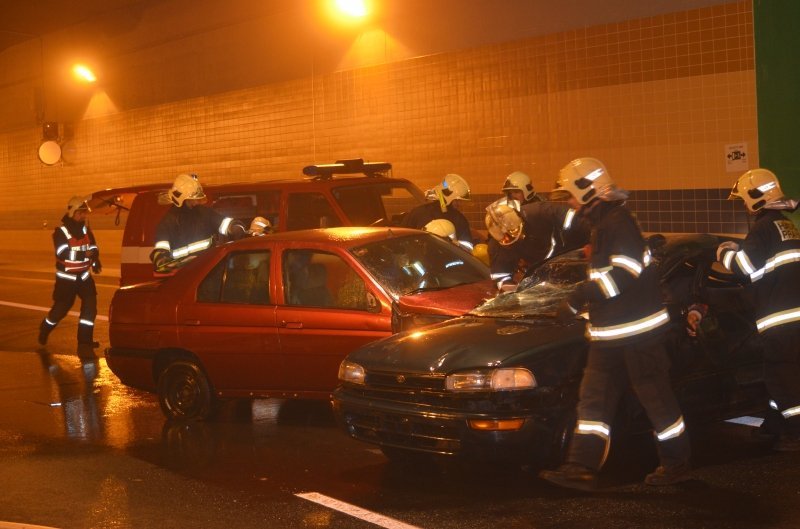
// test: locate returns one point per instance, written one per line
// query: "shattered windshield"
(540, 293)
(404, 265)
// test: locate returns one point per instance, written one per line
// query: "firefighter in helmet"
(518, 186)
(522, 235)
(627, 320)
(189, 227)
(769, 259)
(442, 199)
(77, 256)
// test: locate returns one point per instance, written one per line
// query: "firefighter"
(518, 187)
(189, 227)
(528, 234)
(77, 256)
(769, 259)
(442, 205)
(626, 322)
(443, 229)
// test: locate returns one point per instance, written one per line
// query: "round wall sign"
(49, 152)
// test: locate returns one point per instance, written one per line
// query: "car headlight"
(351, 372)
(502, 379)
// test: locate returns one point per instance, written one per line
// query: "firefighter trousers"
(609, 372)
(782, 375)
(64, 294)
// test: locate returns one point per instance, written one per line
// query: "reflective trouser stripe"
(791, 412)
(86, 322)
(672, 431)
(597, 428)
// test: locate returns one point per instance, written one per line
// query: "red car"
(274, 316)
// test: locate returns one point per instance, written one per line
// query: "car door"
(328, 308)
(229, 323)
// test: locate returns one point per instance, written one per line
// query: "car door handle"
(292, 324)
(191, 322)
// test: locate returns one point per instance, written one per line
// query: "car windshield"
(540, 293)
(378, 203)
(404, 265)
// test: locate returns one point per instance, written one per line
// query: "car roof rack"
(354, 166)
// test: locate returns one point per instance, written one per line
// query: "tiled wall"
(656, 99)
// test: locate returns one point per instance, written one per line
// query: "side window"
(269, 207)
(321, 279)
(310, 211)
(243, 277)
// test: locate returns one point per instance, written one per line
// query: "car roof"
(344, 237)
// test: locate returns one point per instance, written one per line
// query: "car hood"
(465, 343)
(453, 301)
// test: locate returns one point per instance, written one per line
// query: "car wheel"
(184, 391)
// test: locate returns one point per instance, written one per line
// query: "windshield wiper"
(431, 289)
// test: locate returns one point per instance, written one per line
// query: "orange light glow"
(352, 8)
(83, 73)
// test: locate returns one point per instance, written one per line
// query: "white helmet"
(503, 222)
(757, 187)
(441, 227)
(186, 187)
(519, 181)
(77, 203)
(453, 187)
(585, 179)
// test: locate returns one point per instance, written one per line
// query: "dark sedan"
(502, 381)
(273, 316)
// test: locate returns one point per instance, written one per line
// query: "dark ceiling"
(26, 19)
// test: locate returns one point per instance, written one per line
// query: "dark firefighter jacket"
(184, 231)
(769, 257)
(622, 290)
(72, 242)
(549, 228)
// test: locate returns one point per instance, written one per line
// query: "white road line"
(12, 525)
(755, 422)
(45, 309)
(354, 511)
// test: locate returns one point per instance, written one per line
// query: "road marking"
(354, 511)
(12, 525)
(45, 309)
(755, 422)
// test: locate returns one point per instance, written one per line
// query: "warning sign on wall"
(736, 157)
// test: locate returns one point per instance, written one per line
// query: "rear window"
(378, 204)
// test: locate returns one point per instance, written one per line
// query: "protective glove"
(160, 260)
(694, 315)
(259, 226)
(725, 246)
(565, 313)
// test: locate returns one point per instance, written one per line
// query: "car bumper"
(134, 367)
(446, 432)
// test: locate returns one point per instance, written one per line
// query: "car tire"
(184, 391)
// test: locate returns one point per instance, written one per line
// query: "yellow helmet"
(186, 187)
(583, 178)
(757, 187)
(441, 227)
(503, 222)
(77, 203)
(481, 251)
(453, 187)
(519, 181)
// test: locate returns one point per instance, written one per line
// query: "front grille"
(404, 381)
(440, 435)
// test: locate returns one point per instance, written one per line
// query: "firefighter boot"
(45, 328)
(572, 476)
(668, 475)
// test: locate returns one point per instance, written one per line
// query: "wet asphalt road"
(78, 449)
